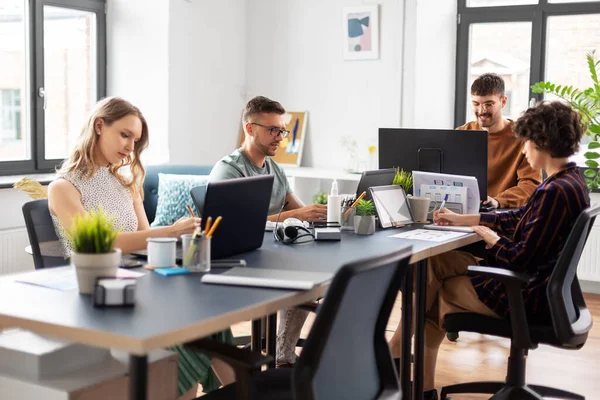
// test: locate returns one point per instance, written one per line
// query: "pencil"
(208, 223)
(214, 226)
(190, 211)
(362, 195)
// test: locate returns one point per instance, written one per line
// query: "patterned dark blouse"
(532, 237)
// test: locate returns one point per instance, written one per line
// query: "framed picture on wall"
(290, 148)
(361, 32)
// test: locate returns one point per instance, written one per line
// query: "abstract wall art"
(361, 32)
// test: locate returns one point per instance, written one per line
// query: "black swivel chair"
(568, 329)
(45, 246)
(345, 356)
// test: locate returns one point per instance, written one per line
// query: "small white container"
(161, 251)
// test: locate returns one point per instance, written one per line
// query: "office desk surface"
(172, 310)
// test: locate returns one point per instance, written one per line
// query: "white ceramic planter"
(364, 225)
(88, 267)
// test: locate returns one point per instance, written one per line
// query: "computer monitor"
(447, 151)
(378, 177)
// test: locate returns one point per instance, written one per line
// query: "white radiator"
(589, 265)
(13, 257)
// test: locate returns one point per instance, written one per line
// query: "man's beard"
(491, 120)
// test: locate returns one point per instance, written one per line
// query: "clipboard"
(392, 206)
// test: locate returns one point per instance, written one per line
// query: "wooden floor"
(481, 357)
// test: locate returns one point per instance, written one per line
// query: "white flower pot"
(364, 224)
(88, 267)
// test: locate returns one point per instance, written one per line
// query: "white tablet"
(392, 206)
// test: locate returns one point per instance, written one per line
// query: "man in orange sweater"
(511, 180)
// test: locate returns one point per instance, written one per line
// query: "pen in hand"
(444, 202)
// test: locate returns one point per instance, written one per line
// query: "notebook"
(466, 229)
(273, 278)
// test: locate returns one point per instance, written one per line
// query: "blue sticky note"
(172, 271)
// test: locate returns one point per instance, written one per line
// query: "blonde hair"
(83, 158)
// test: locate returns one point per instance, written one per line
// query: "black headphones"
(291, 233)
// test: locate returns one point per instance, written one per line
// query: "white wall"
(295, 56)
(137, 64)
(207, 75)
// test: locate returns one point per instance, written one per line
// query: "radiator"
(589, 265)
(13, 257)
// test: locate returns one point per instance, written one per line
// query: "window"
(53, 57)
(525, 42)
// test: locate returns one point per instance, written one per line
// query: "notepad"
(466, 229)
(273, 278)
(172, 271)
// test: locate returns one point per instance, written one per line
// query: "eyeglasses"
(274, 131)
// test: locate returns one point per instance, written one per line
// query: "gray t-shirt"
(238, 165)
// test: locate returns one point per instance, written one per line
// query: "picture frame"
(291, 148)
(361, 32)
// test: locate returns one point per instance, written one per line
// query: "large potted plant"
(364, 218)
(587, 103)
(92, 236)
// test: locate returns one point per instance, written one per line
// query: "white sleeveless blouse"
(103, 188)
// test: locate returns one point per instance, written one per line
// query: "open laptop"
(378, 177)
(243, 203)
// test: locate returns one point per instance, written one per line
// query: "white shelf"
(320, 173)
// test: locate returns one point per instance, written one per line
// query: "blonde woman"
(105, 170)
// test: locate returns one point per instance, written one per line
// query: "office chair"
(345, 356)
(45, 246)
(568, 328)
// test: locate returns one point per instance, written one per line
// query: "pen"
(362, 195)
(444, 202)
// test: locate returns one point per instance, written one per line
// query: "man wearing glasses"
(511, 180)
(264, 128)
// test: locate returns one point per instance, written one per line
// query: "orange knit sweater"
(511, 180)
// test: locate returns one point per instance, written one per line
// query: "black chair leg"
(546, 391)
(472, 387)
(516, 393)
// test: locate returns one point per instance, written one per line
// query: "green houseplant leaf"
(404, 179)
(93, 232)
(365, 208)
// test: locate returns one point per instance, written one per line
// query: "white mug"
(419, 207)
(161, 251)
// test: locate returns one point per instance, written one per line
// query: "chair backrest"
(45, 245)
(570, 317)
(346, 355)
(151, 182)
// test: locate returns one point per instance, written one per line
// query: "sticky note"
(171, 271)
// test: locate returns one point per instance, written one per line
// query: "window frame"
(537, 14)
(35, 69)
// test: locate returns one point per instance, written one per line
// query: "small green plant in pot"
(320, 198)
(92, 236)
(404, 179)
(364, 218)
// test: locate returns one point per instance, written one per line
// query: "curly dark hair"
(487, 85)
(553, 126)
(261, 105)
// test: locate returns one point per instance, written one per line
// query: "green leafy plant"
(320, 198)
(404, 179)
(587, 103)
(365, 208)
(93, 233)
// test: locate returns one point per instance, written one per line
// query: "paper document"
(429, 235)
(63, 278)
(466, 229)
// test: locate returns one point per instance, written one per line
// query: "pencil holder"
(196, 257)
(348, 218)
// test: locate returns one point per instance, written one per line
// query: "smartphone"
(131, 263)
(227, 263)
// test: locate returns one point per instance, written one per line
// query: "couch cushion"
(174, 195)
(151, 182)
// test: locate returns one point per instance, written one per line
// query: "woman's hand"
(488, 235)
(184, 225)
(446, 217)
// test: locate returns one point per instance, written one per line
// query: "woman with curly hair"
(529, 239)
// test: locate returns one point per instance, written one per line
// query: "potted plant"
(587, 103)
(92, 236)
(364, 218)
(320, 198)
(404, 179)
